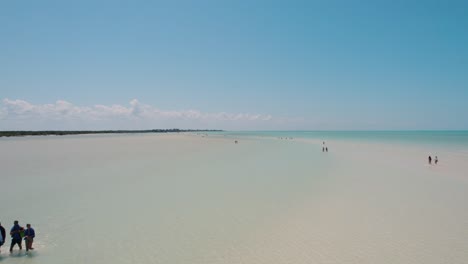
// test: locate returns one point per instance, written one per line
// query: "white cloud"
(20, 114)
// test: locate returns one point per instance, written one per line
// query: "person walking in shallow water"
(16, 236)
(436, 160)
(430, 159)
(29, 235)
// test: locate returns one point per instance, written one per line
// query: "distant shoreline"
(83, 132)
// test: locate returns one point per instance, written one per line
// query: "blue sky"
(234, 64)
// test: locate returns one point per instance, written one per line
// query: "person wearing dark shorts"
(16, 236)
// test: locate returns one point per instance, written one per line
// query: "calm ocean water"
(157, 198)
(451, 139)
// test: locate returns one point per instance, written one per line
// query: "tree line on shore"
(80, 132)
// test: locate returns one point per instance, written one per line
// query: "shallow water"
(188, 199)
(446, 139)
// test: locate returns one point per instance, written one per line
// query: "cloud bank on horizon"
(22, 115)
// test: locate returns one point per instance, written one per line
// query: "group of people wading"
(18, 233)
(324, 147)
(436, 160)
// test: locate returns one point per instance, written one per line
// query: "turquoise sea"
(439, 138)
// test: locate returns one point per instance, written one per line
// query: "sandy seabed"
(184, 198)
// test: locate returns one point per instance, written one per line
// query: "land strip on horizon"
(80, 132)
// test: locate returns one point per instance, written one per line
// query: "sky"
(234, 65)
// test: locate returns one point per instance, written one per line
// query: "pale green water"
(137, 199)
(187, 199)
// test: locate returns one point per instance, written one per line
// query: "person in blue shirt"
(16, 235)
(29, 235)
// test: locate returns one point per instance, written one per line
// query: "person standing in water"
(326, 149)
(2, 235)
(430, 159)
(29, 235)
(16, 236)
(436, 160)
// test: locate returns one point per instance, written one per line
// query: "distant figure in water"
(235, 141)
(436, 160)
(29, 235)
(430, 159)
(323, 149)
(326, 149)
